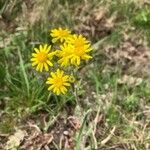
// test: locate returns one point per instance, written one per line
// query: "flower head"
(80, 48)
(58, 82)
(42, 57)
(60, 34)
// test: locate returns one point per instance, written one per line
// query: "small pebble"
(66, 133)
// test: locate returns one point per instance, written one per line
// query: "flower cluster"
(67, 50)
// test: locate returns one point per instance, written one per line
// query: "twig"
(108, 137)
(4, 135)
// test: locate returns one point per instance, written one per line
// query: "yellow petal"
(53, 74)
(41, 67)
(45, 47)
(33, 59)
(34, 54)
(50, 55)
(41, 48)
(38, 67)
(65, 78)
(36, 50)
(46, 67)
(62, 90)
(55, 89)
(59, 73)
(48, 49)
(34, 63)
(78, 60)
(54, 40)
(66, 84)
(51, 87)
(49, 63)
(86, 56)
(58, 92)
(50, 81)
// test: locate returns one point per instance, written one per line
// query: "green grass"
(103, 103)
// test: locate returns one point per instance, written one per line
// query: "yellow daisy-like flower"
(60, 34)
(42, 57)
(73, 54)
(58, 82)
(65, 54)
(81, 48)
(77, 40)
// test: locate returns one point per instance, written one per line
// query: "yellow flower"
(42, 57)
(60, 34)
(77, 40)
(81, 47)
(64, 54)
(73, 54)
(58, 82)
(80, 53)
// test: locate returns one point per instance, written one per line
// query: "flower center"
(42, 57)
(79, 51)
(58, 82)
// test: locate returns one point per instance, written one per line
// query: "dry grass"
(114, 90)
